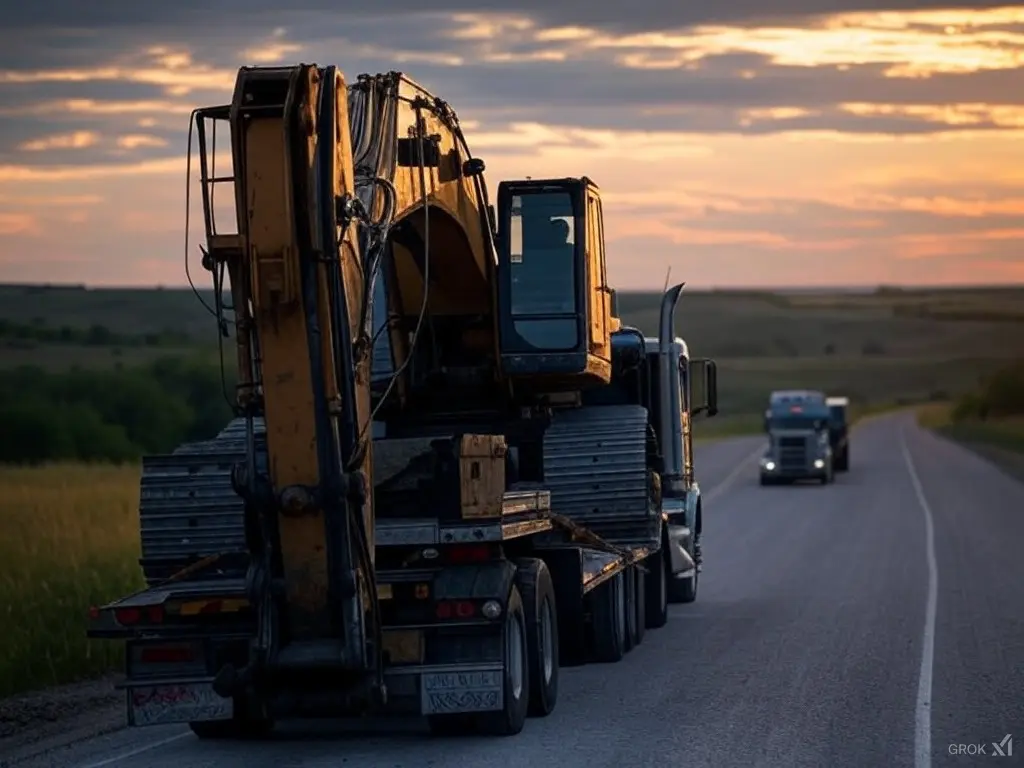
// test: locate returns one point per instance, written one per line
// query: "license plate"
(160, 704)
(453, 692)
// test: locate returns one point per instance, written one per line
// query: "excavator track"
(594, 466)
(188, 508)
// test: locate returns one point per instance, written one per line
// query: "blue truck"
(807, 437)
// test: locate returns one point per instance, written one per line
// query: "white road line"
(134, 752)
(732, 476)
(923, 720)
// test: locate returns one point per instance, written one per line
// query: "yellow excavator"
(452, 467)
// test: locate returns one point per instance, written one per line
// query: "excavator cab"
(555, 314)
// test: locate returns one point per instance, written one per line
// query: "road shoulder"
(43, 721)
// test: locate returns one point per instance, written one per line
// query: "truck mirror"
(706, 372)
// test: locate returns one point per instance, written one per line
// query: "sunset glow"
(852, 148)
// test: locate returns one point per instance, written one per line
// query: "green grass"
(888, 346)
(1004, 434)
(70, 541)
(70, 536)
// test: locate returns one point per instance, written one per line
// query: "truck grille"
(792, 453)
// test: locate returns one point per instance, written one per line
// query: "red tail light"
(128, 617)
(456, 609)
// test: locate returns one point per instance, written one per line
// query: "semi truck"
(452, 469)
(800, 442)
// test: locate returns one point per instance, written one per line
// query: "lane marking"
(732, 476)
(923, 718)
(134, 752)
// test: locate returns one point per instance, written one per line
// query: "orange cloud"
(92, 107)
(76, 140)
(272, 50)
(137, 140)
(173, 70)
(18, 224)
(27, 173)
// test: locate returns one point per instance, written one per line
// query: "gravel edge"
(34, 723)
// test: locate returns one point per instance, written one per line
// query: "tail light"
(456, 609)
(470, 553)
(129, 617)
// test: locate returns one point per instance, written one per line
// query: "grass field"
(71, 532)
(1005, 434)
(884, 346)
(70, 540)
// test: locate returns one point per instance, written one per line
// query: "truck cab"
(660, 374)
(799, 445)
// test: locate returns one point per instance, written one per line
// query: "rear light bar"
(130, 617)
(455, 609)
(467, 609)
(470, 553)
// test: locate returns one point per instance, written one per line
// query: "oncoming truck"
(442, 482)
(798, 424)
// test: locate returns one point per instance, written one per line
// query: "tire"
(843, 462)
(656, 594)
(512, 717)
(684, 590)
(608, 620)
(629, 576)
(538, 593)
(239, 728)
(639, 604)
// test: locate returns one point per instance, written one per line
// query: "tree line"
(110, 415)
(14, 333)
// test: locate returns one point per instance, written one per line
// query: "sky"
(795, 143)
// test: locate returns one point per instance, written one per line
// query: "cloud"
(139, 140)
(76, 140)
(726, 139)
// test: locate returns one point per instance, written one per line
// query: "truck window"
(542, 262)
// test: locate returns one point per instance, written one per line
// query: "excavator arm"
(363, 221)
(339, 192)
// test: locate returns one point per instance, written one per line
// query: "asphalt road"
(875, 622)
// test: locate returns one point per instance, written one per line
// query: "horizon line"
(653, 289)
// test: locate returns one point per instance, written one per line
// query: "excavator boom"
(341, 193)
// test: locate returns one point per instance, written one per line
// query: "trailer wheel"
(657, 590)
(629, 585)
(538, 592)
(842, 463)
(510, 720)
(608, 614)
(639, 603)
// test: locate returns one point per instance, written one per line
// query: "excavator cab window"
(544, 276)
(542, 270)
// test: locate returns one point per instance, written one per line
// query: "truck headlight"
(769, 465)
(819, 464)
